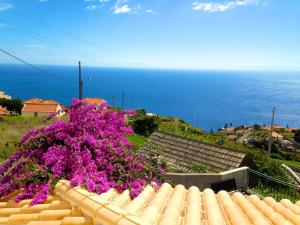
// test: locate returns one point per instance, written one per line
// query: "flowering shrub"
(89, 149)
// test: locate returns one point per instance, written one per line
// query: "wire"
(44, 71)
(57, 44)
(33, 66)
(25, 47)
(75, 36)
(62, 46)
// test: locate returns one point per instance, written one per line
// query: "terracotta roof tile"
(167, 206)
(276, 135)
(3, 111)
(39, 105)
(34, 100)
(97, 101)
(39, 108)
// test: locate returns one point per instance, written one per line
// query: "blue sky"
(184, 34)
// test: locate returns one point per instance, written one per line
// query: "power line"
(25, 47)
(62, 46)
(74, 36)
(57, 44)
(32, 66)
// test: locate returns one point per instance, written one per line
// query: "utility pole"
(113, 101)
(132, 102)
(271, 131)
(80, 81)
(123, 98)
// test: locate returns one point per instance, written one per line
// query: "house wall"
(27, 114)
(31, 114)
(204, 180)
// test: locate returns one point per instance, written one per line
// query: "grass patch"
(12, 128)
(136, 140)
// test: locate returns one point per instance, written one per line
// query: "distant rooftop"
(3, 111)
(40, 105)
(97, 101)
(41, 101)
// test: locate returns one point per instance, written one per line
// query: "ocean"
(206, 99)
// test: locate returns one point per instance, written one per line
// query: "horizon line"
(266, 69)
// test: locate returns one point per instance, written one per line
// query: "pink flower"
(90, 149)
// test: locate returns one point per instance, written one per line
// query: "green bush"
(13, 105)
(198, 168)
(268, 166)
(276, 156)
(256, 127)
(297, 135)
(143, 124)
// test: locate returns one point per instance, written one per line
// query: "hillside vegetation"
(12, 128)
(181, 128)
(264, 163)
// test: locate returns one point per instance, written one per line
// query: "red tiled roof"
(39, 108)
(276, 135)
(40, 105)
(290, 129)
(274, 128)
(232, 137)
(3, 111)
(33, 100)
(97, 101)
(40, 101)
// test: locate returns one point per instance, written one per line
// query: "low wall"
(204, 180)
(31, 114)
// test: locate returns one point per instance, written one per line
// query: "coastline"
(4, 95)
(205, 99)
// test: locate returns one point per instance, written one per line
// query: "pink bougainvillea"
(89, 149)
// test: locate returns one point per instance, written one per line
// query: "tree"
(226, 126)
(140, 112)
(256, 127)
(297, 135)
(14, 106)
(144, 125)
